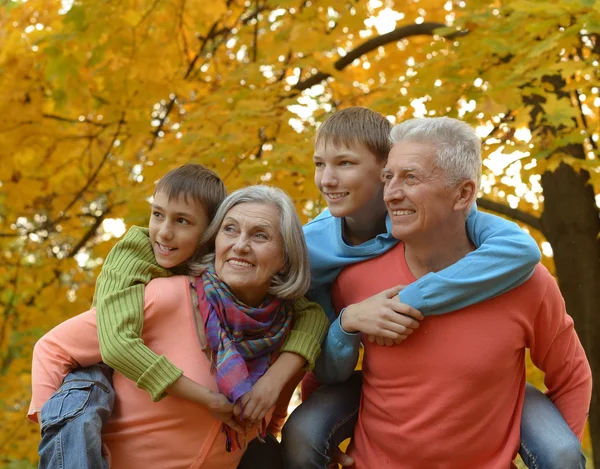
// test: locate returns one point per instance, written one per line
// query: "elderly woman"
(222, 327)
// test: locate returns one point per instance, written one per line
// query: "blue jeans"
(72, 419)
(328, 417)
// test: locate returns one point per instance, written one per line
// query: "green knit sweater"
(119, 301)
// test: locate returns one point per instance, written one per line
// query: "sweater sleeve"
(119, 301)
(505, 258)
(70, 345)
(556, 350)
(309, 327)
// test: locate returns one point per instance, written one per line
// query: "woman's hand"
(267, 389)
(220, 407)
(217, 404)
(260, 399)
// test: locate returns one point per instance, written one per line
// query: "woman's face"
(249, 250)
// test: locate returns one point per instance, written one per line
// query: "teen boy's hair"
(197, 182)
(356, 125)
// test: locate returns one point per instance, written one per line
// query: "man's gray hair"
(294, 280)
(458, 148)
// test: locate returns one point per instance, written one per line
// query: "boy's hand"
(260, 399)
(382, 317)
(339, 457)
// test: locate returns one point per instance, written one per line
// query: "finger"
(393, 292)
(371, 338)
(401, 338)
(380, 340)
(238, 408)
(395, 319)
(255, 415)
(388, 342)
(234, 425)
(405, 309)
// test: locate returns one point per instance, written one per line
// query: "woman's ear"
(465, 195)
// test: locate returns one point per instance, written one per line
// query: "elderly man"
(451, 395)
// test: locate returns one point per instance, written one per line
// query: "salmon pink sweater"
(172, 433)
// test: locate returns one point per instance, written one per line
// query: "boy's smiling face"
(176, 227)
(349, 178)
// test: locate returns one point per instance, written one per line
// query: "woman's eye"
(261, 236)
(318, 164)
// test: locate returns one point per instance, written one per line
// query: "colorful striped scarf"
(241, 337)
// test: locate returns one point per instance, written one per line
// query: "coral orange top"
(172, 433)
(451, 395)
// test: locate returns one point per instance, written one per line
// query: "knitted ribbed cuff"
(158, 377)
(303, 344)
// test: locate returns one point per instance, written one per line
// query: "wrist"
(347, 320)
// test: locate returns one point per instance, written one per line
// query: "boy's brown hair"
(197, 182)
(356, 125)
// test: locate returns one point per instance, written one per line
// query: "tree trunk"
(571, 223)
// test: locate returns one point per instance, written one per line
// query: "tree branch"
(403, 32)
(97, 171)
(513, 213)
(89, 234)
(74, 121)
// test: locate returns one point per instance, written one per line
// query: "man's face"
(349, 178)
(176, 227)
(416, 195)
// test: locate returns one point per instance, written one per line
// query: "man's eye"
(157, 214)
(318, 164)
(183, 221)
(345, 163)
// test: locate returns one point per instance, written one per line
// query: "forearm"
(120, 302)
(339, 355)
(285, 368)
(190, 390)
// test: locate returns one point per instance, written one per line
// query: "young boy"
(185, 201)
(351, 150)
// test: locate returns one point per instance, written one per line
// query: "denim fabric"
(547, 442)
(72, 419)
(265, 455)
(320, 424)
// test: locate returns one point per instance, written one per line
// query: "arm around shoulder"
(120, 303)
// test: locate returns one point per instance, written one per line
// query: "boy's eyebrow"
(339, 155)
(178, 214)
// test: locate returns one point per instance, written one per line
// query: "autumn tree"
(98, 99)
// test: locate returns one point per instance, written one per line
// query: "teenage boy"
(185, 201)
(351, 150)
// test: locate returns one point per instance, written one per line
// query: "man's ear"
(465, 195)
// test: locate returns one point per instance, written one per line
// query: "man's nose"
(393, 191)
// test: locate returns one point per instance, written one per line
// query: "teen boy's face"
(349, 178)
(175, 228)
